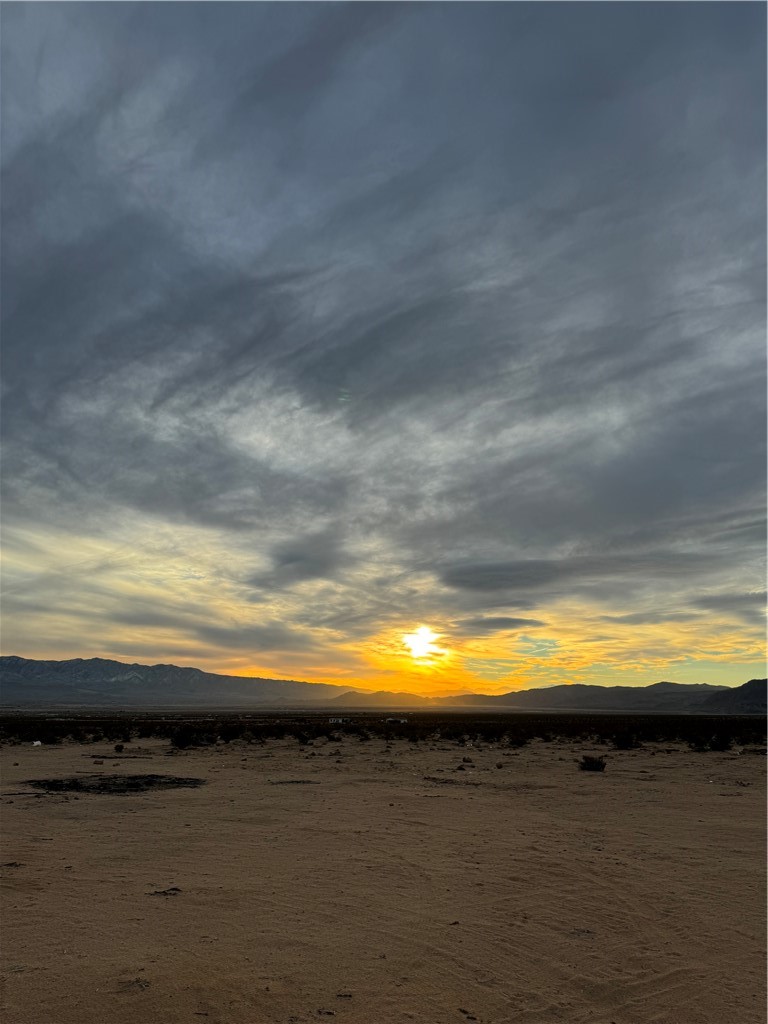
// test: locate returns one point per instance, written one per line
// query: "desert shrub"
(253, 733)
(491, 734)
(699, 732)
(589, 763)
(626, 741)
(188, 736)
(453, 733)
(231, 731)
(113, 731)
(721, 741)
(119, 748)
(49, 733)
(700, 744)
(517, 741)
(182, 738)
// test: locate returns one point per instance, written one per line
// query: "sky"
(408, 346)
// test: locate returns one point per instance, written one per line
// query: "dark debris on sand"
(113, 783)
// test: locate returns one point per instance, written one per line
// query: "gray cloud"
(255, 638)
(745, 607)
(314, 556)
(535, 574)
(648, 618)
(485, 625)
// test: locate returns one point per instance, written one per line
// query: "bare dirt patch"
(542, 894)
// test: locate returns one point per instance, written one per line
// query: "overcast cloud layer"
(322, 321)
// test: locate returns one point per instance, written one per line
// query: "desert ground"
(378, 884)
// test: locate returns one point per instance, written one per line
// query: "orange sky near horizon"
(198, 609)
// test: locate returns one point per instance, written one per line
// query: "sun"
(422, 642)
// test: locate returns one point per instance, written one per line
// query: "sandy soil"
(532, 892)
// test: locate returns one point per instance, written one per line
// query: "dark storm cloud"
(471, 292)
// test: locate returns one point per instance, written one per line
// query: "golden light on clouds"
(152, 594)
(421, 643)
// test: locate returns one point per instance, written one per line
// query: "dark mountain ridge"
(582, 696)
(672, 698)
(95, 682)
(749, 699)
(390, 699)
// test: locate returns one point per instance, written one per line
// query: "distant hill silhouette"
(662, 696)
(99, 682)
(749, 699)
(387, 699)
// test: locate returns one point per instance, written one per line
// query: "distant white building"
(337, 721)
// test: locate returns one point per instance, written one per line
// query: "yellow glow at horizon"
(422, 642)
(191, 578)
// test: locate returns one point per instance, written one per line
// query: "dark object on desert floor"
(592, 764)
(293, 782)
(113, 783)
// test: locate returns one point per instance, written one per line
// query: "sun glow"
(421, 643)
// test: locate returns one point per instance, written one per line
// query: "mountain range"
(657, 697)
(99, 682)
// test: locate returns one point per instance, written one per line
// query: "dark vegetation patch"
(294, 782)
(589, 763)
(114, 783)
(512, 730)
(626, 740)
